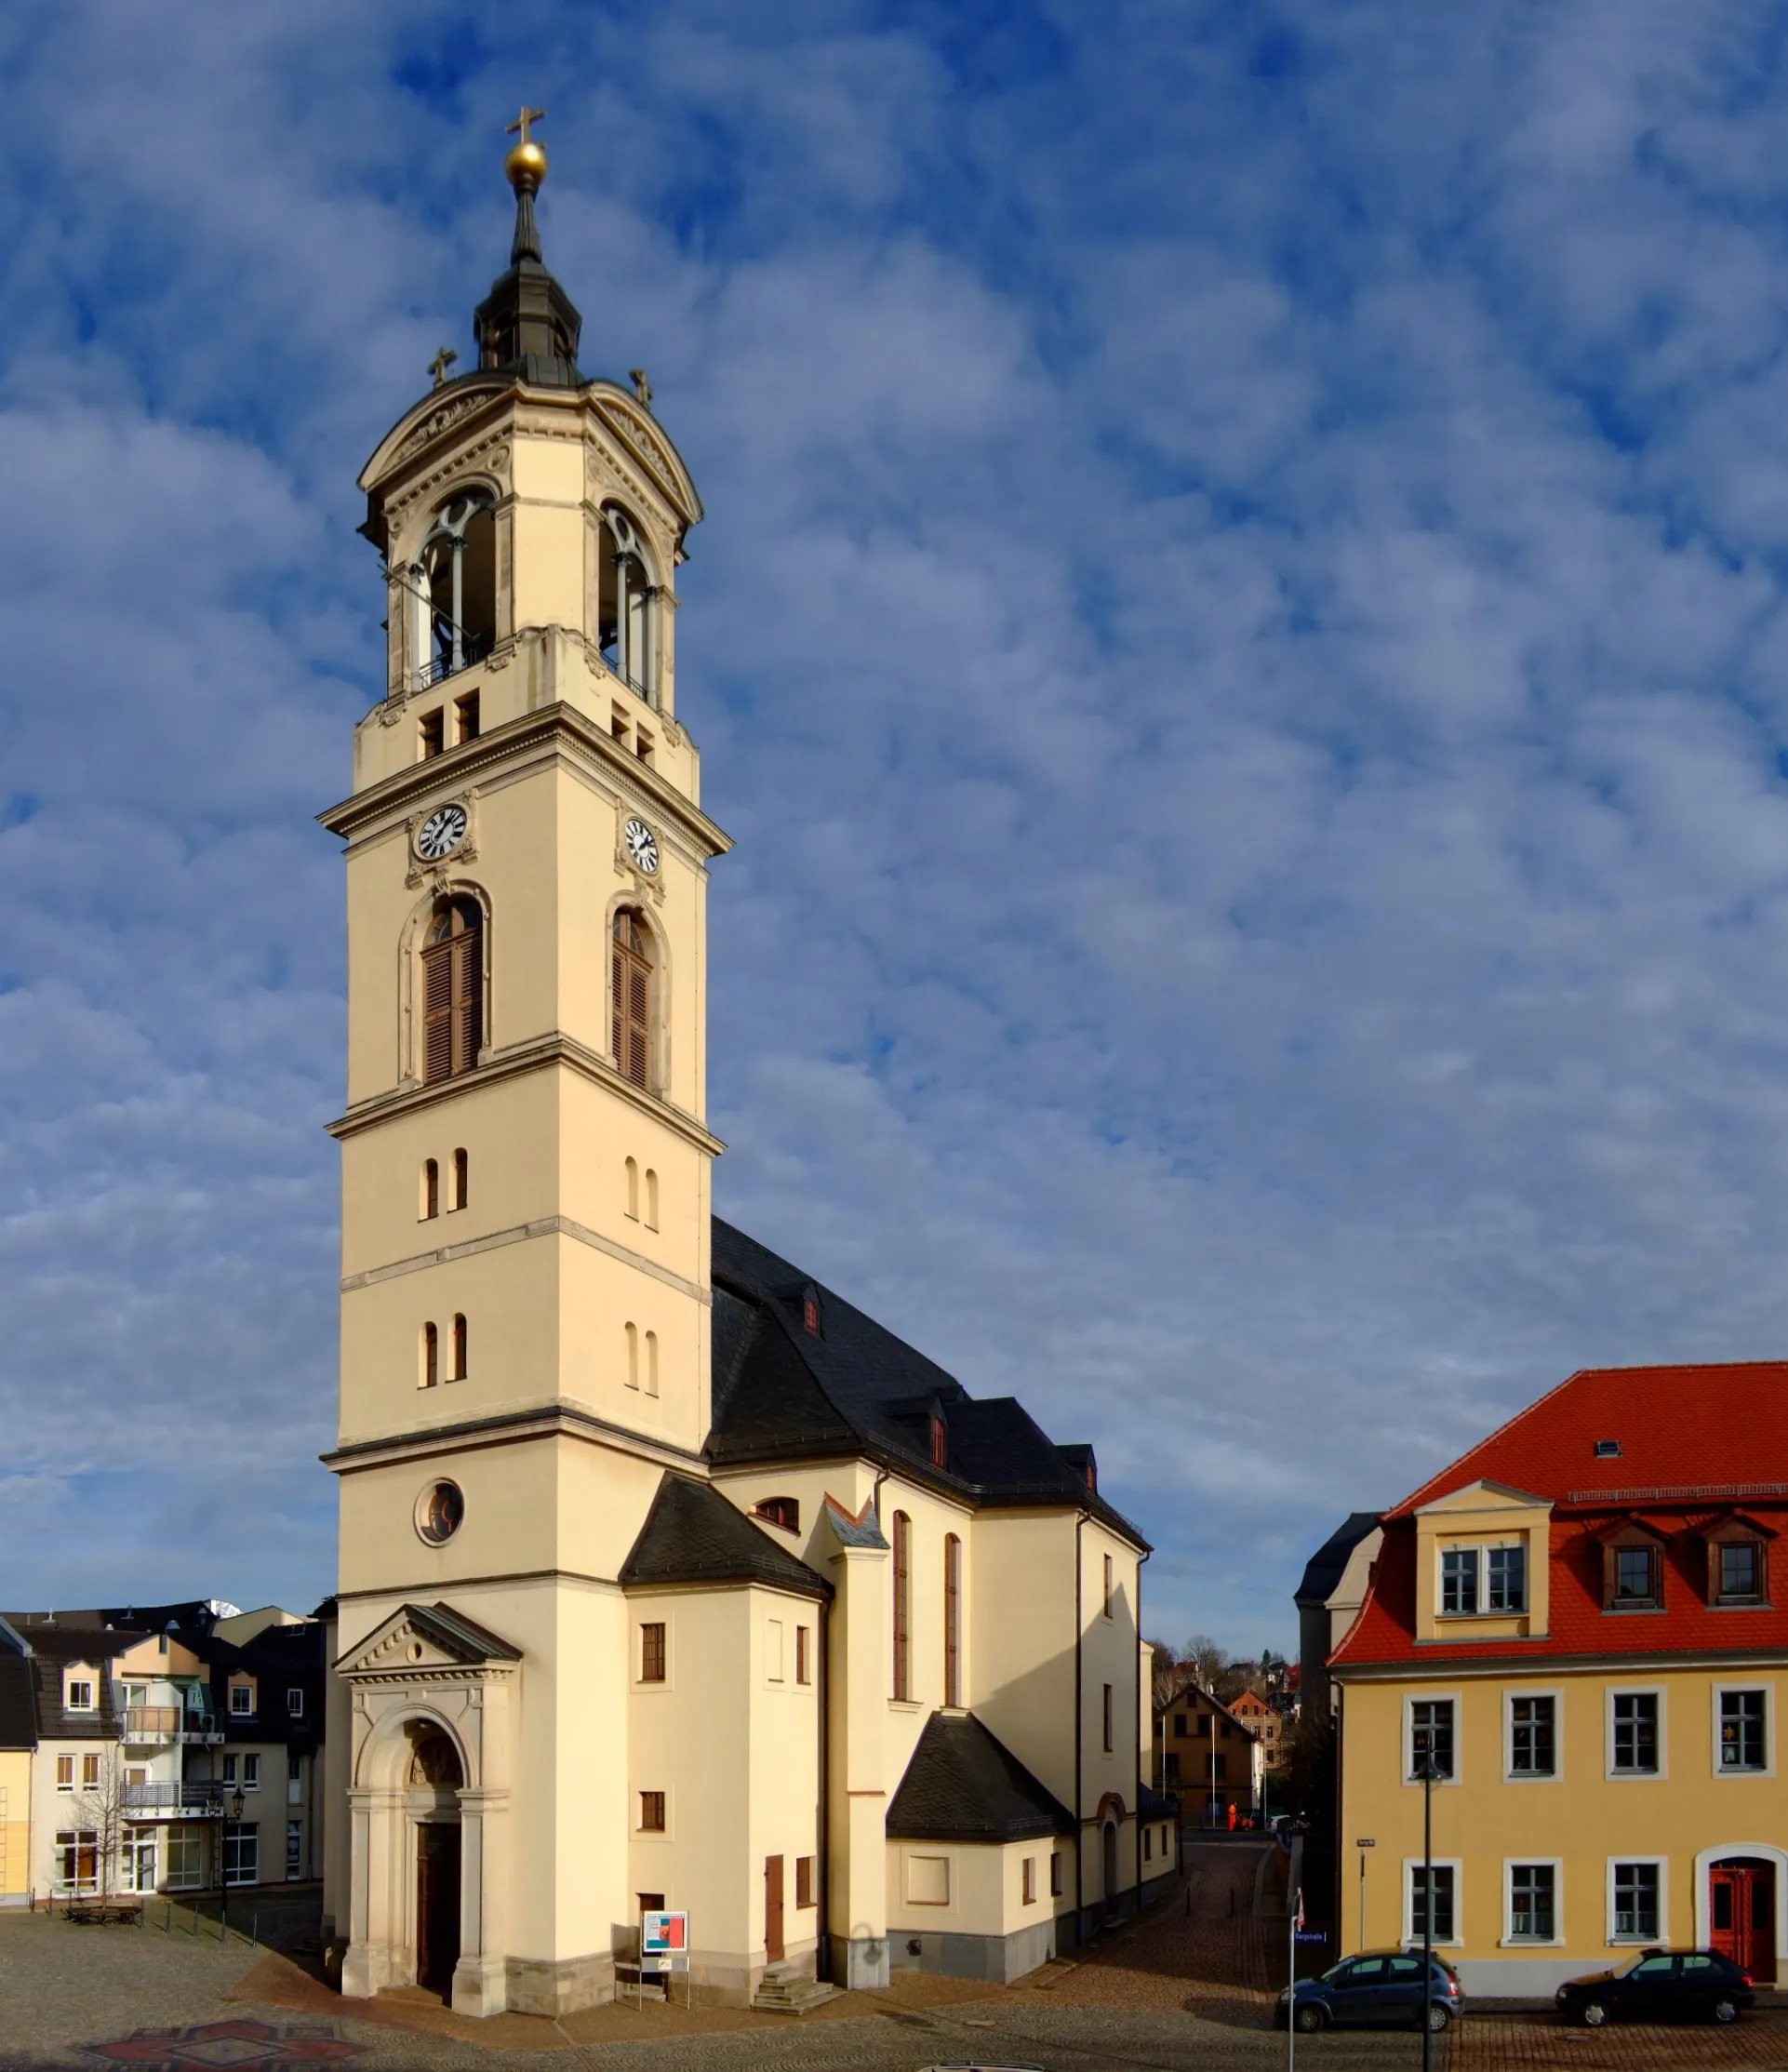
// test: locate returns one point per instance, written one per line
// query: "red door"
(1743, 1893)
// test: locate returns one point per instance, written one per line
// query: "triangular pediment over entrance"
(420, 1638)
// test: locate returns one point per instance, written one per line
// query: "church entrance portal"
(1742, 1894)
(438, 1905)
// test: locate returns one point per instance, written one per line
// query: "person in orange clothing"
(1231, 1816)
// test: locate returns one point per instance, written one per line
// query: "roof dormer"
(1483, 1565)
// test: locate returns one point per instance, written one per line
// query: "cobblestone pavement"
(1188, 1988)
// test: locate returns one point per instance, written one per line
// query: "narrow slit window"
(459, 1368)
(462, 1180)
(651, 1199)
(430, 1357)
(1108, 1720)
(430, 736)
(651, 1651)
(1110, 1578)
(633, 1356)
(803, 1655)
(652, 1363)
(465, 719)
(431, 1189)
(632, 1190)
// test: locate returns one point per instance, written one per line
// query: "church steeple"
(527, 325)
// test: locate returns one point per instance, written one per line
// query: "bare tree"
(99, 1809)
(1209, 1660)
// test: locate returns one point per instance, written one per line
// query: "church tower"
(526, 1162)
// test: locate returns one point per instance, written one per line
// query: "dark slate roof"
(1323, 1571)
(18, 1712)
(964, 1784)
(781, 1390)
(692, 1534)
(52, 1650)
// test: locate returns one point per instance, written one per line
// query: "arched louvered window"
(633, 977)
(902, 1605)
(453, 990)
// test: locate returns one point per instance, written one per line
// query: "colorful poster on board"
(663, 1934)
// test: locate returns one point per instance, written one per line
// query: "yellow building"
(1575, 1626)
(668, 1579)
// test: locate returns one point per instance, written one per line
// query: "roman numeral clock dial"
(642, 846)
(441, 834)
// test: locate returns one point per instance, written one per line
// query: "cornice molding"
(557, 1419)
(558, 726)
(539, 1054)
(1650, 1662)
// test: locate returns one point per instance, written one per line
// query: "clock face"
(441, 834)
(642, 846)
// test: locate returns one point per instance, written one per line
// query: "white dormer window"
(295, 1702)
(78, 1695)
(242, 1700)
(1489, 1580)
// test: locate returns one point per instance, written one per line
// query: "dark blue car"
(1376, 1990)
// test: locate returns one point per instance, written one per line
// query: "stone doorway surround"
(420, 1668)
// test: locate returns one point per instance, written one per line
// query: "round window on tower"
(439, 1510)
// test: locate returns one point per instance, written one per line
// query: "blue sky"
(1239, 635)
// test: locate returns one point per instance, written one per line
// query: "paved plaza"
(1187, 1989)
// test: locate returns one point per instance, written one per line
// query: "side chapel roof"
(692, 1534)
(965, 1785)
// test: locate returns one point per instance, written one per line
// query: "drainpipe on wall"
(1080, 1852)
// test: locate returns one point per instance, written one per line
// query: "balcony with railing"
(466, 653)
(161, 1726)
(189, 1800)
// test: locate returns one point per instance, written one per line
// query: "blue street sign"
(1311, 1935)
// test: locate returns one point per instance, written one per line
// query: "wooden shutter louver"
(632, 1000)
(453, 992)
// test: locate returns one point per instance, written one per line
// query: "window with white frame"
(1636, 1909)
(78, 1695)
(251, 1774)
(1444, 1890)
(185, 1857)
(241, 1855)
(1458, 1581)
(77, 1860)
(1431, 1736)
(1634, 1738)
(1744, 1731)
(1505, 1578)
(1533, 1903)
(1533, 1736)
(65, 1772)
(242, 1700)
(293, 1703)
(294, 1848)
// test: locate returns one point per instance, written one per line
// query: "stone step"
(784, 1993)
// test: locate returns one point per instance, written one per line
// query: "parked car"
(1661, 1986)
(1377, 1989)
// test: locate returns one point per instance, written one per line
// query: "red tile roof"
(1696, 1442)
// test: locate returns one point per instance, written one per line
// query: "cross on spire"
(528, 115)
(438, 366)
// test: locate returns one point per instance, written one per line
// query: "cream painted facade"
(564, 1681)
(15, 1825)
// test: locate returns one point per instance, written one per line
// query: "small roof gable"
(859, 1529)
(692, 1534)
(1481, 1495)
(435, 1637)
(964, 1784)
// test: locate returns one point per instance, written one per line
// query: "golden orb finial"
(526, 165)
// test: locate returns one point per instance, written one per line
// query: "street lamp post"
(1427, 1774)
(237, 1803)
